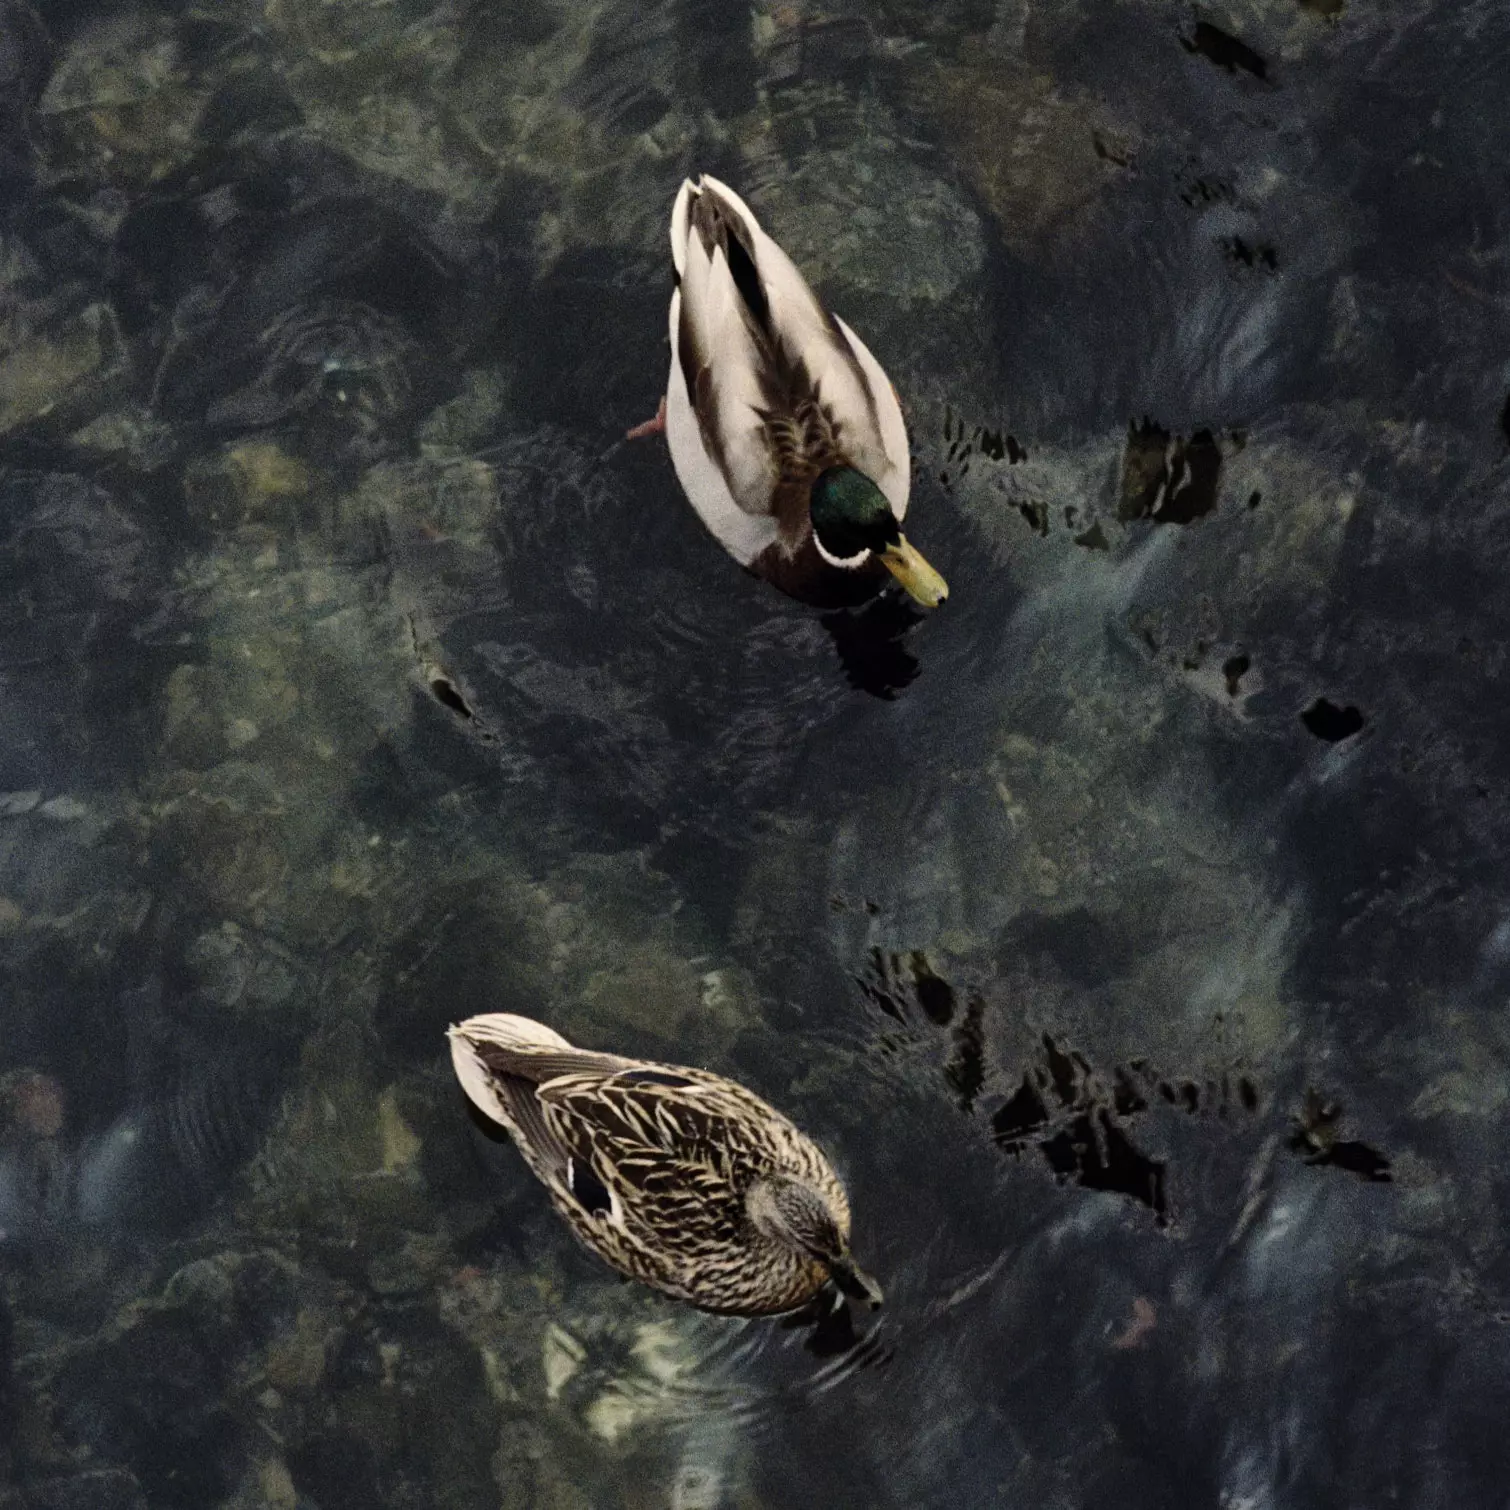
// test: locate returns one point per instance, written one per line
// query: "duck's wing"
(753, 342)
(664, 1141)
(723, 358)
(501, 1060)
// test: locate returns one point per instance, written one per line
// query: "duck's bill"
(850, 1279)
(906, 563)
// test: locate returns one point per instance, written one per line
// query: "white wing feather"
(743, 534)
(713, 313)
(736, 477)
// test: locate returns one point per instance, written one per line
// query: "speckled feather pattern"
(677, 1160)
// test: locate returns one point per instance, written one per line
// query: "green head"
(851, 516)
(853, 520)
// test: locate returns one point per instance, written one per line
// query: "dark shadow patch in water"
(1202, 192)
(1035, 513)
(566, 380)
(870, 648)
(94, 628)
(1079, 942)
(831, 1326)
(448, 695)
(152, 1398)
(1168, 478)
(1023, 1114)
(902, 984)
(829, 50)
(965, 1069)
(962, 443)
(1062, 1109)
(468, 949)
(895, 981)
(1225, 50)
(1093, 1151)
(398, 1348)
(1325, 720)
(1315, 1134)
(718, 38)
(337, 1470)
(1244, 254)
(1076, 1118)
(261, 291)
(247, 104)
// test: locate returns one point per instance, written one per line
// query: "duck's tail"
(507, 1031)
(499, 1059)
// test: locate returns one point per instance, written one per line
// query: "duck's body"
(677, 1177)
(786, 434)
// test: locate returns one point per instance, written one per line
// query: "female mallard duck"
(677, 1177)
(785, 433)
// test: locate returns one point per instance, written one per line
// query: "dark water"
(1135, 931)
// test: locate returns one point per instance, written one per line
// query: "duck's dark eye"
(589, 1190)
(654, 1077)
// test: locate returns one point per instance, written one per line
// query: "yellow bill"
(905, 562)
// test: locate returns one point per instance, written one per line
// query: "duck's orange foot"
(656, 426)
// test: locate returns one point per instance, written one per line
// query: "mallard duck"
(677, 1177)
(785, 433)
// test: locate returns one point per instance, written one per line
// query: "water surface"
(1134, 931)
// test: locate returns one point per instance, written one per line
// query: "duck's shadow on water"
(871, 644)
(829, 1320)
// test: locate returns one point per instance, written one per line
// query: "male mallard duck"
(677, 1177)
(785, 433)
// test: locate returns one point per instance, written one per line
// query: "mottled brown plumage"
(661, 1169)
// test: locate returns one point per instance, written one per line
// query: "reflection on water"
(1132, 931)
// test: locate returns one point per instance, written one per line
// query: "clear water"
(1135, 931)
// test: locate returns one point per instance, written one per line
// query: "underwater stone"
(38, 375)
(139, 128)
(266, 472)
(153, 1396)
(204, 1288)
(117, 62)
(94, 1489)
(295, 1361)
(238, 969)
(146, 440)
(1027, 147)
(648, 989)
(471, 418)
(194, 732)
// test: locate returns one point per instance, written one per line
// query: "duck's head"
(853, 521)
(800, 1216)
